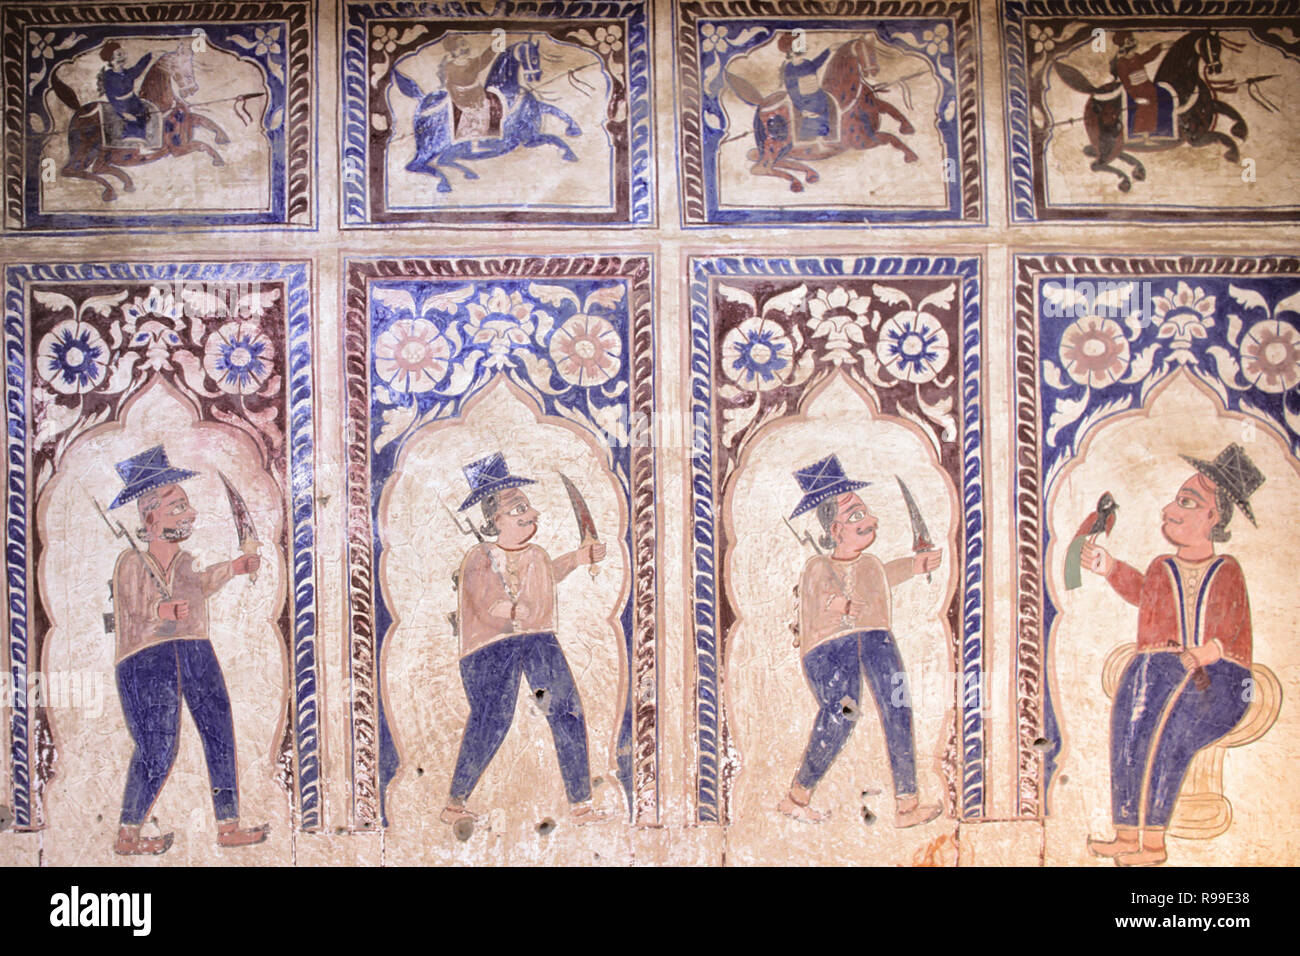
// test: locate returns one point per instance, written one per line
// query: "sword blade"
(243, 520)
(920, 534)
(586, 525)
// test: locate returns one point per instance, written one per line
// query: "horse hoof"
(571, 158)
(1239, 130)
(906, 128)
(1139, 173)
(218, 161)
(796, 187)
(223, 140)
(813, 177)
(470, 174)
(108, 195)
(129, 188)
(1125, 185)
(444, 187)
(910, 157)
(573, 131)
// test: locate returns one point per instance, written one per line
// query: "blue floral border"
(353, 84)
(704, 562)
(299, 389)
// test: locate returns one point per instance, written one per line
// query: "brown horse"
(168, 80)
(847, 83)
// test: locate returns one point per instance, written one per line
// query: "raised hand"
(1096, 559)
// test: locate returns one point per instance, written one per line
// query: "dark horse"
(860, 111)
(168, 79)
(435, 143)
(1194, 104)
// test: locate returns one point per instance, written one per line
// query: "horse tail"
(64, 92)
(408, 85)
(1076, 81)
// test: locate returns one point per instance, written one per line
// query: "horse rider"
(799, 77)
(1129, 67)
(459, 73)
(117, 85)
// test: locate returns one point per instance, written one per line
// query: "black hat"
(1235, 473)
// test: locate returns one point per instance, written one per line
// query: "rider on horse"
(1129, 67)
(117, 85)
(473, 109)
(799, 77)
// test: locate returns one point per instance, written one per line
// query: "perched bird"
(1100, 521)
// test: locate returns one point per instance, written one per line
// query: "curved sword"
(248, 542)
(920, 535)
(586, 526)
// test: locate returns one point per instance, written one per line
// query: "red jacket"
(1219, 609)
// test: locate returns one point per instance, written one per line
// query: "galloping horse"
(1194, 104)
(168, 80)
(848, 85)
(435, 143)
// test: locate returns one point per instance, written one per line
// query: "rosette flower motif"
(586, 350)
(238, 357)
(411, 355)
(913, 346)
(1184, 315)
(754, 354)
(1270, 356)
(72, 357)
(1094, 351)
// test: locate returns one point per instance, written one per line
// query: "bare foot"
(454, 814)
(1147, 856)
(232, 834)
(801, 811)
(915, 816)
(584, 813)
(131, 843)
(1113, 848)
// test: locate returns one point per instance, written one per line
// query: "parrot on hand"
(1100, 521)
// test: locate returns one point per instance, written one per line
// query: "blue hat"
(821, 480)
(488, 475)
(145, 472)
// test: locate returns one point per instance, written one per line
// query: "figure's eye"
(178, 508)
(518, 509)
(1186, 502)
(857, 515)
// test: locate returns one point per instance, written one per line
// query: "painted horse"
(1186, 68)
(169, 79)
(778, 152)
(436, 145)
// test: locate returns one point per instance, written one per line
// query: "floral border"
(1024, 171)
(356, 78)
(295, 164)
(464, 337)
(1215, 338)
(151, 336)
(694, 118)
(825, 333)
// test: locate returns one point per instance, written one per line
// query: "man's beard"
(176, 534)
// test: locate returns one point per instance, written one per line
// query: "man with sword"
(845, 634)
(506, 622)
(164, 654)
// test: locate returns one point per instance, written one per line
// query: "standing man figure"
(844, 634)
(117, 85)
(507, 628)
(1189, 683)
(164, 654)
(800, 80)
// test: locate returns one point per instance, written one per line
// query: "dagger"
(920, 536)
(248, 542)
(586, 526)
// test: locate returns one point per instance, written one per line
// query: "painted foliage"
(194, 379)
(814, 377)
(155, 116)
(506, 113)
(468, 379)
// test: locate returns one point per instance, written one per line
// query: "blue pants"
(151, 684)
(1196, 719)
(834, 671)
(491, 679)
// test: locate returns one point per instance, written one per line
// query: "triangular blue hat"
(145, 472)
(488, 475)
(821, 480)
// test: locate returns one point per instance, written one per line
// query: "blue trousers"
(491, 679)
(834, 671)
(1196, 718)
(150, 684)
